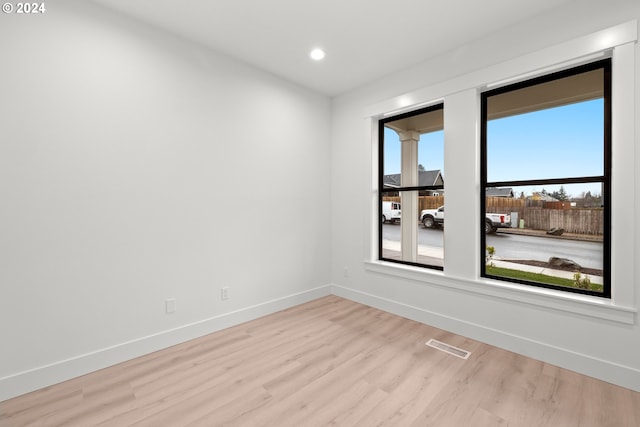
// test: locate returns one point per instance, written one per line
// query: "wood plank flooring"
(328, 362)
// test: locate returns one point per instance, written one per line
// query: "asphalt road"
(512, 246)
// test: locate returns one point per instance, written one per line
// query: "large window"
(546, 167)
(411, 182)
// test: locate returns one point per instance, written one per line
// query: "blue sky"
(558, 142)
(430, 151)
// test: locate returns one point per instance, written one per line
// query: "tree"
(420, 167)
(560, 194)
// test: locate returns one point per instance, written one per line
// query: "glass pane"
(428, 249)
(427, 129)
(546, 235)
(392, 159)
(391, 229)
(431, 159)
(431, 229)
(549, 130)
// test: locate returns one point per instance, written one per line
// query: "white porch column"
(409, 200)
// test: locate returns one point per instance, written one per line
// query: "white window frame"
(461, 97)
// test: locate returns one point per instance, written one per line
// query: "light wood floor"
(328, 362)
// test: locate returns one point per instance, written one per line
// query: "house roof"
(541, 196)
(425, 178)
(499, 192)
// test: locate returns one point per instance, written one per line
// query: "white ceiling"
(364, 39)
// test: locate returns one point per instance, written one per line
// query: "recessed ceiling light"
(317, 54)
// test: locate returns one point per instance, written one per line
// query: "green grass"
(538, 278)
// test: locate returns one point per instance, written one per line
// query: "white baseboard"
(44, 376)
(623, 376)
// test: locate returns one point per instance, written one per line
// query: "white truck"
(391, 212)
(435, 218)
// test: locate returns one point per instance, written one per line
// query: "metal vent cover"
(455, 351)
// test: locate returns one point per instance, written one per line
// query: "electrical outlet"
(224, 293)
(170, 305)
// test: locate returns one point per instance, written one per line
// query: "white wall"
(136, 167)
(583, 334)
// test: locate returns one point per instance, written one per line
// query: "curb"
(542, 233)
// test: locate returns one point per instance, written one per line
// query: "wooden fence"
(537, 214)
(581, 221)
(424, 202)
(541, 215)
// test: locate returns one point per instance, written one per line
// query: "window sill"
(584, 305)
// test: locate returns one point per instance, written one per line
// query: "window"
(411, 182)
(546, 177)
(467, 179)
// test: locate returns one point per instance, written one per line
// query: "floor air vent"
(458, 352)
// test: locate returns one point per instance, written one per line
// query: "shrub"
(581, 282)
(489, 256)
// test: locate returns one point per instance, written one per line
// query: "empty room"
(233, 213)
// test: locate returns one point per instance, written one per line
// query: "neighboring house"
(500, 192)
(541, 196)
(432, 178)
